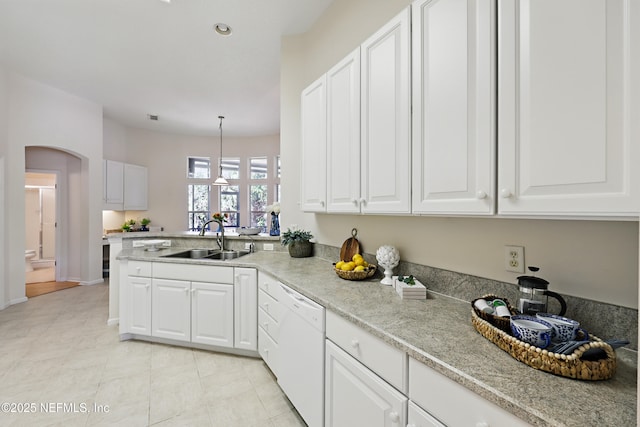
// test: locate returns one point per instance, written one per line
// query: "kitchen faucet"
(220, 239)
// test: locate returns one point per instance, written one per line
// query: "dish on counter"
(248, 231)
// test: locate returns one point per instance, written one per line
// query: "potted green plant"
(298, 242)
(143, 224)
(128, 225)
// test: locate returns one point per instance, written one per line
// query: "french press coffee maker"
(534, 295)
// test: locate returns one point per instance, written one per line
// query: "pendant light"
(220, 180)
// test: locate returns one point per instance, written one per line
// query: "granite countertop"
(438, 333)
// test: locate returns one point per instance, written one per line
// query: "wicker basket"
(566, 365)
(502, 323)
(356, 275)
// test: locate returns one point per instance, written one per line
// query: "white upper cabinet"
(568, 121)
(124, 186)
(453, 106)
(135, 189)
(386, 118)
(113, 176)
(343, 135)
(313, 168)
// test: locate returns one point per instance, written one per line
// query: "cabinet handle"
(355, 343)
(354, 201)
(481, 195)
(138, 269)
(146, 286)
(394, 417)
(505, 193)
(322, 203)
(363, 201)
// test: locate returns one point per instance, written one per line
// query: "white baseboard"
(92, 282)
(18, 300)
(112, 322)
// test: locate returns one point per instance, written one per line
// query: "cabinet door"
(355, 396)
(313, 168)
(453, 106)
(568, 125)
(245, 294)
(114, 185)
(343, 135)
(171, 309)
(212, 314)
(421, 418)
(385, 118)
(135, 189)
(139, 305)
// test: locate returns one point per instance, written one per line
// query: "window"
(231, 167)
(254, 183)
(198, 167)
(258, 167)
(257, 205)
(230, 204)
(199, 207)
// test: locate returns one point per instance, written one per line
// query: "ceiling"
(160, 57)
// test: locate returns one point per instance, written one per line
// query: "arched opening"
(70, 204)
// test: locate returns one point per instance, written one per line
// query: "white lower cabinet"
(443, 398)
(356, 396)
(418, 417)
(210, 305)
(269, 317)
(245, 304)
(171, 309)
(139, 310)
(212, 314)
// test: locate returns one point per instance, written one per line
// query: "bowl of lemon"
(354, 269)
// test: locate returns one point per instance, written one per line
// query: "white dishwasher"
(301, 352)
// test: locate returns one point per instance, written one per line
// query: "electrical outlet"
(267, 246)
(514, 259)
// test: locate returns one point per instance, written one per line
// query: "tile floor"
(58, 356)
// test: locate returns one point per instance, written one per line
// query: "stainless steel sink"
(204, 254)
(224, 255)
(192, 253)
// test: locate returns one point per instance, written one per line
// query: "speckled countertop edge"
(438, 333)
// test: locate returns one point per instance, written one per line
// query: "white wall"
(39, 115)
(4, 274)
(591, 259)
(165, 156)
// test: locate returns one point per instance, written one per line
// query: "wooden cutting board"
(350, 247)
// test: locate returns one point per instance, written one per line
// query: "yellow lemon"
(339, 264)
(356, 257)
(365, 264)
(348, 266)
(359, 268)
(359, 261)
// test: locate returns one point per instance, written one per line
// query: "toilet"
(29, 254)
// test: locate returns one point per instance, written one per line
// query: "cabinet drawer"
(139, 268)
(194, 273)
(443, 398)
(385, 360)
(269, 285)
(268, 350)
(269, 325)
(269, 305)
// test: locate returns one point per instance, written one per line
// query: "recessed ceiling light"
(223, 29)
